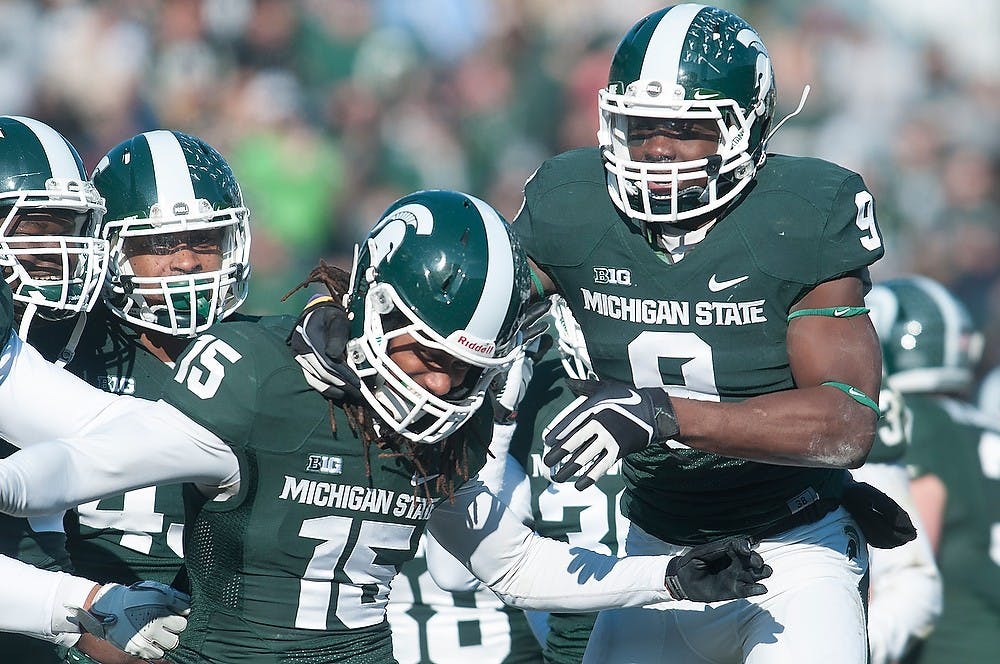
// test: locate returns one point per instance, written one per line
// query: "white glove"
(143, 619)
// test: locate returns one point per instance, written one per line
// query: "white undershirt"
(677, 244)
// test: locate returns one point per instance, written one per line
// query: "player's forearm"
(34, 601)
(113, 459)
(533, 572)
(29, 386)
(552, 576)
(818, 426)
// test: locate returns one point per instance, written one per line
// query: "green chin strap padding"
(182, 306)
(53, 292)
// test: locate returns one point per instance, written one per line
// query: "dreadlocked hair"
(450, 457)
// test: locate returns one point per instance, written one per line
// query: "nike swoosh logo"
(715, 285)
(840, 312)
(417, 481)
(856, 393)
(705, 95)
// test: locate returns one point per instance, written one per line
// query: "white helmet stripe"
(173, 182)
(489, 316)
(56, 151)
(664, 50)
(952, 319)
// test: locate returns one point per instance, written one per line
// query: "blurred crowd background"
(330, 109)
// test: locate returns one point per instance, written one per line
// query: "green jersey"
(590, 518)
(893, 433)
(296, 566)
(138, 535)
(435, 626)
(961, 446)
(711, 326)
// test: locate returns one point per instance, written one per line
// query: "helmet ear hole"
(381, 299)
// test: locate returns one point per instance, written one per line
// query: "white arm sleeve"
(133, 444)
(28, 385)
(905, 582)
(532, 572)
(447, 572)
(34, 601)
(513, 490)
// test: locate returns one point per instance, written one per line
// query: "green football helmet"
(443, 267)
(686, 62)
(929, 343)
(50, 250)
(164, 189)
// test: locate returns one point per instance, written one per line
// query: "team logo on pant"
(853, 542)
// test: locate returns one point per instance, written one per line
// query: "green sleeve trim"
(856, 394)
(539, 288)
(834, 312)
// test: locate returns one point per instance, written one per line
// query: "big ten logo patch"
(612, 275)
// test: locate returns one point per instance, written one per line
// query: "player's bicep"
(843, 349)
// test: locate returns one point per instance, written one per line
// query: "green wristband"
(856, 394)
(833, 312)
(537, 282)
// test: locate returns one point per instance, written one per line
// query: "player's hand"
(144, 619)
(716, 571)
(607, 422)
(318, 340)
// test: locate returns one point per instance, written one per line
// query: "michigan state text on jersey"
(684, 327)
(720, 291)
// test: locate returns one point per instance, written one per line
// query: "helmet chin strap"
(798, 109)
(30, 309)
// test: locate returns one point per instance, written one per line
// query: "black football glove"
(607, 422)
(318, 340)
(884, 523)
(716, 571)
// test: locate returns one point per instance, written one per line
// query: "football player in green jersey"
(178, 242)
(720, 290)
(905, 585)
(313, 505)
(930, 348)
(54, 263)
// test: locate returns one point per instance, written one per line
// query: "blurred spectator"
(294, 177)
(331, 109)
